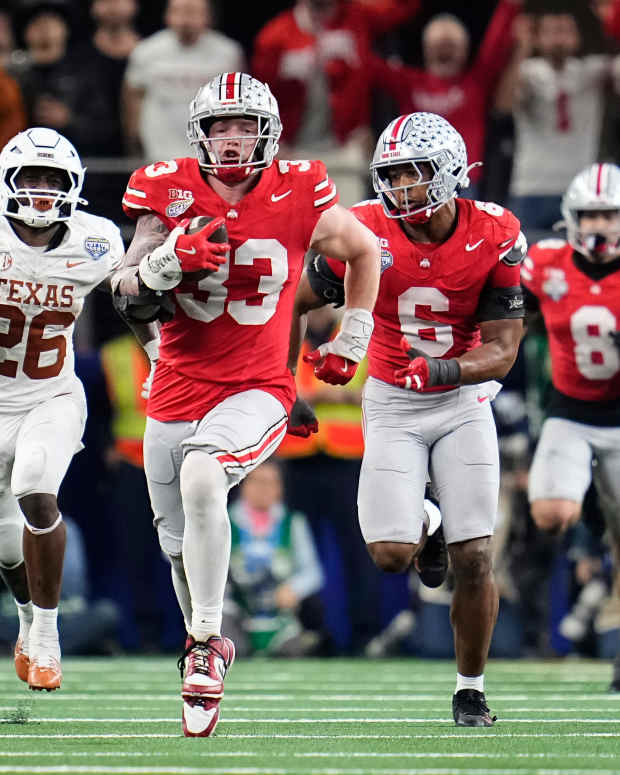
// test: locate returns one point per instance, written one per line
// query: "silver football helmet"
(594, 189)
(225, 96)
(39, 208)
(413, 139)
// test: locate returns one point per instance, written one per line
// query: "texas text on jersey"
(226, 335)
(437, 294)
(42, 293)
(580, 304)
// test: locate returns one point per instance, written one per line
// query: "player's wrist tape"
(41, 531)
(160, 270)
(443, 372)
(152, 349)
(354, 335)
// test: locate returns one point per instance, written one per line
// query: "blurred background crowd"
(532, 86)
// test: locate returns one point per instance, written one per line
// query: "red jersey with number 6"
(580, 314)
(431, 292)
(230, 331)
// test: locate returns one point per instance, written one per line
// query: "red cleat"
(203, 666)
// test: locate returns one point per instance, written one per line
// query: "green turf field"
(335, 717)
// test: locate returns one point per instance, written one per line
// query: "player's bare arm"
(305, 300)
(340, 235)
(150, 233)
(497, 353)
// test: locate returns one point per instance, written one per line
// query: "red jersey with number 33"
(230, 331)
(579, 314)
(430, 293)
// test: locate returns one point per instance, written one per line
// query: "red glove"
(331, 368)
(415, 376)
(302, 420)
(424, 371)
(195, 250)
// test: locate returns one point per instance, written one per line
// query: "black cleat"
(432, 562)
(614, 686)
(470, 709)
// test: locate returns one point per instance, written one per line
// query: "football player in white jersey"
(51, 256)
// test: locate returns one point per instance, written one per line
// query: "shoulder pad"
(516, 252)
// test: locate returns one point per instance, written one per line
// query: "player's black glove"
(146, 307)
(302, 420)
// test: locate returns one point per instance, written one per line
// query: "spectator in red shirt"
(446, 84)
(316, 58)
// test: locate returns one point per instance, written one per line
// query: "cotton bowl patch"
(96, 246)
(386, 259)
(174, 209)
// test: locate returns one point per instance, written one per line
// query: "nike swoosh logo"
(277, 197)
(469, 247)
(189, 252)
(482, 399)
(71, 264)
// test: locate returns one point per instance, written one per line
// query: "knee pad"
(28, 473)
(11, 531)
(204, 485)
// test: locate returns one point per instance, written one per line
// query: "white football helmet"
(593, 189)
(415, 138)
(40, 147)
(225, 96)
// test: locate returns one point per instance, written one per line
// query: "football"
(219, 235)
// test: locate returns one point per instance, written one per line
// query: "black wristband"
(443, 372)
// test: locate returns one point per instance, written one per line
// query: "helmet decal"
(416, 139)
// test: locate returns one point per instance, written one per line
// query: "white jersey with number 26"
(41, 294)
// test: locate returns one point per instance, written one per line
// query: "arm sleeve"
(496, 47)
(393, 79)
(384, 15)
(307, 575)
(612, 22)
(327, 280)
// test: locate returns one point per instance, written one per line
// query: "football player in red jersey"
(448, 321)
(221, 390)
(575, 285)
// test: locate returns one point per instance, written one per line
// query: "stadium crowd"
(533, 87)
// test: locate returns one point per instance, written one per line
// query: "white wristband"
(354, 335)
(160, 270)
(152, 349)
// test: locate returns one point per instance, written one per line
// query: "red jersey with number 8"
(230, 331)
(580, 314)
(431, 292)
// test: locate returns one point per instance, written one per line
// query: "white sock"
(469, 682)
(44, 632)
(181, 589)
(206, 540)
(24, 612)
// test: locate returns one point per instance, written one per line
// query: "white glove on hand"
(352, 340)
(160, 270)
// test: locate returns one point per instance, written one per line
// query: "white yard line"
(455, 736)
(276, 721)
(51, 770)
